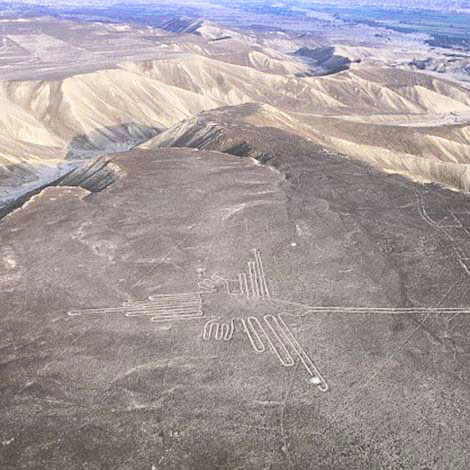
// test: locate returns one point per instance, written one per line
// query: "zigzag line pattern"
(271, 332)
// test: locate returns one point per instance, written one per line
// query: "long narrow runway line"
(129, 311)
(177, 318)
(262, 273)
(253, 335)
(272, 323)
(378, 310)
(245, 284)
(252, 282)
(304, 357)
(259, 276)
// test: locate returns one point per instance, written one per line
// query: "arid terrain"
(72, 90)
(233, 237)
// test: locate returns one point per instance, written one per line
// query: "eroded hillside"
(373, 108)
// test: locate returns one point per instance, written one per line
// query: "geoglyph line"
(424, 215)
(263, 333)
(144, 305)
(159, 307)
(250, 284)
(221, 280)
(161, 319)
(253, 279)
(272, 332)
(207, 329)
(288, 341)
(462, 257)
(182, 303)
(243, 283)
(165, 313)
(251, 293)
(132, 311)
(190, 295)
(135, 310)
(169, 302)
(389, 311)
(214, 329)
(254, 337)
(378, 310)
(9, 277)
(273, 324)
(209, 285)
(229, 330)
(316, 376)
(262, 276)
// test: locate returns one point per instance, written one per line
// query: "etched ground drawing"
(190, 315)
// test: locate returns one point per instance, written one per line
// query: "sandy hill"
(394, 117)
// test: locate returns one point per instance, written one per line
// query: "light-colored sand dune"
(393, 117)
(216, 129)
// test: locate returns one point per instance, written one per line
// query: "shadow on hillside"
(94, 175)
(17, 185)
(111, 139)
(11, 173)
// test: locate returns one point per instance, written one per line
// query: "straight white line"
(245, 282)
(240, 282)
(253, 276)
(303, 356)
(260, 348)
(250, 270)
(258, 274)
(175, 296)
(219, 333)
(378, 310)
(177, 317)
(231, 330)
(130, 310)
(146, 303)
(262, 273)
(289, 361)
(162, 302)
(168, 313)
(96, 311)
